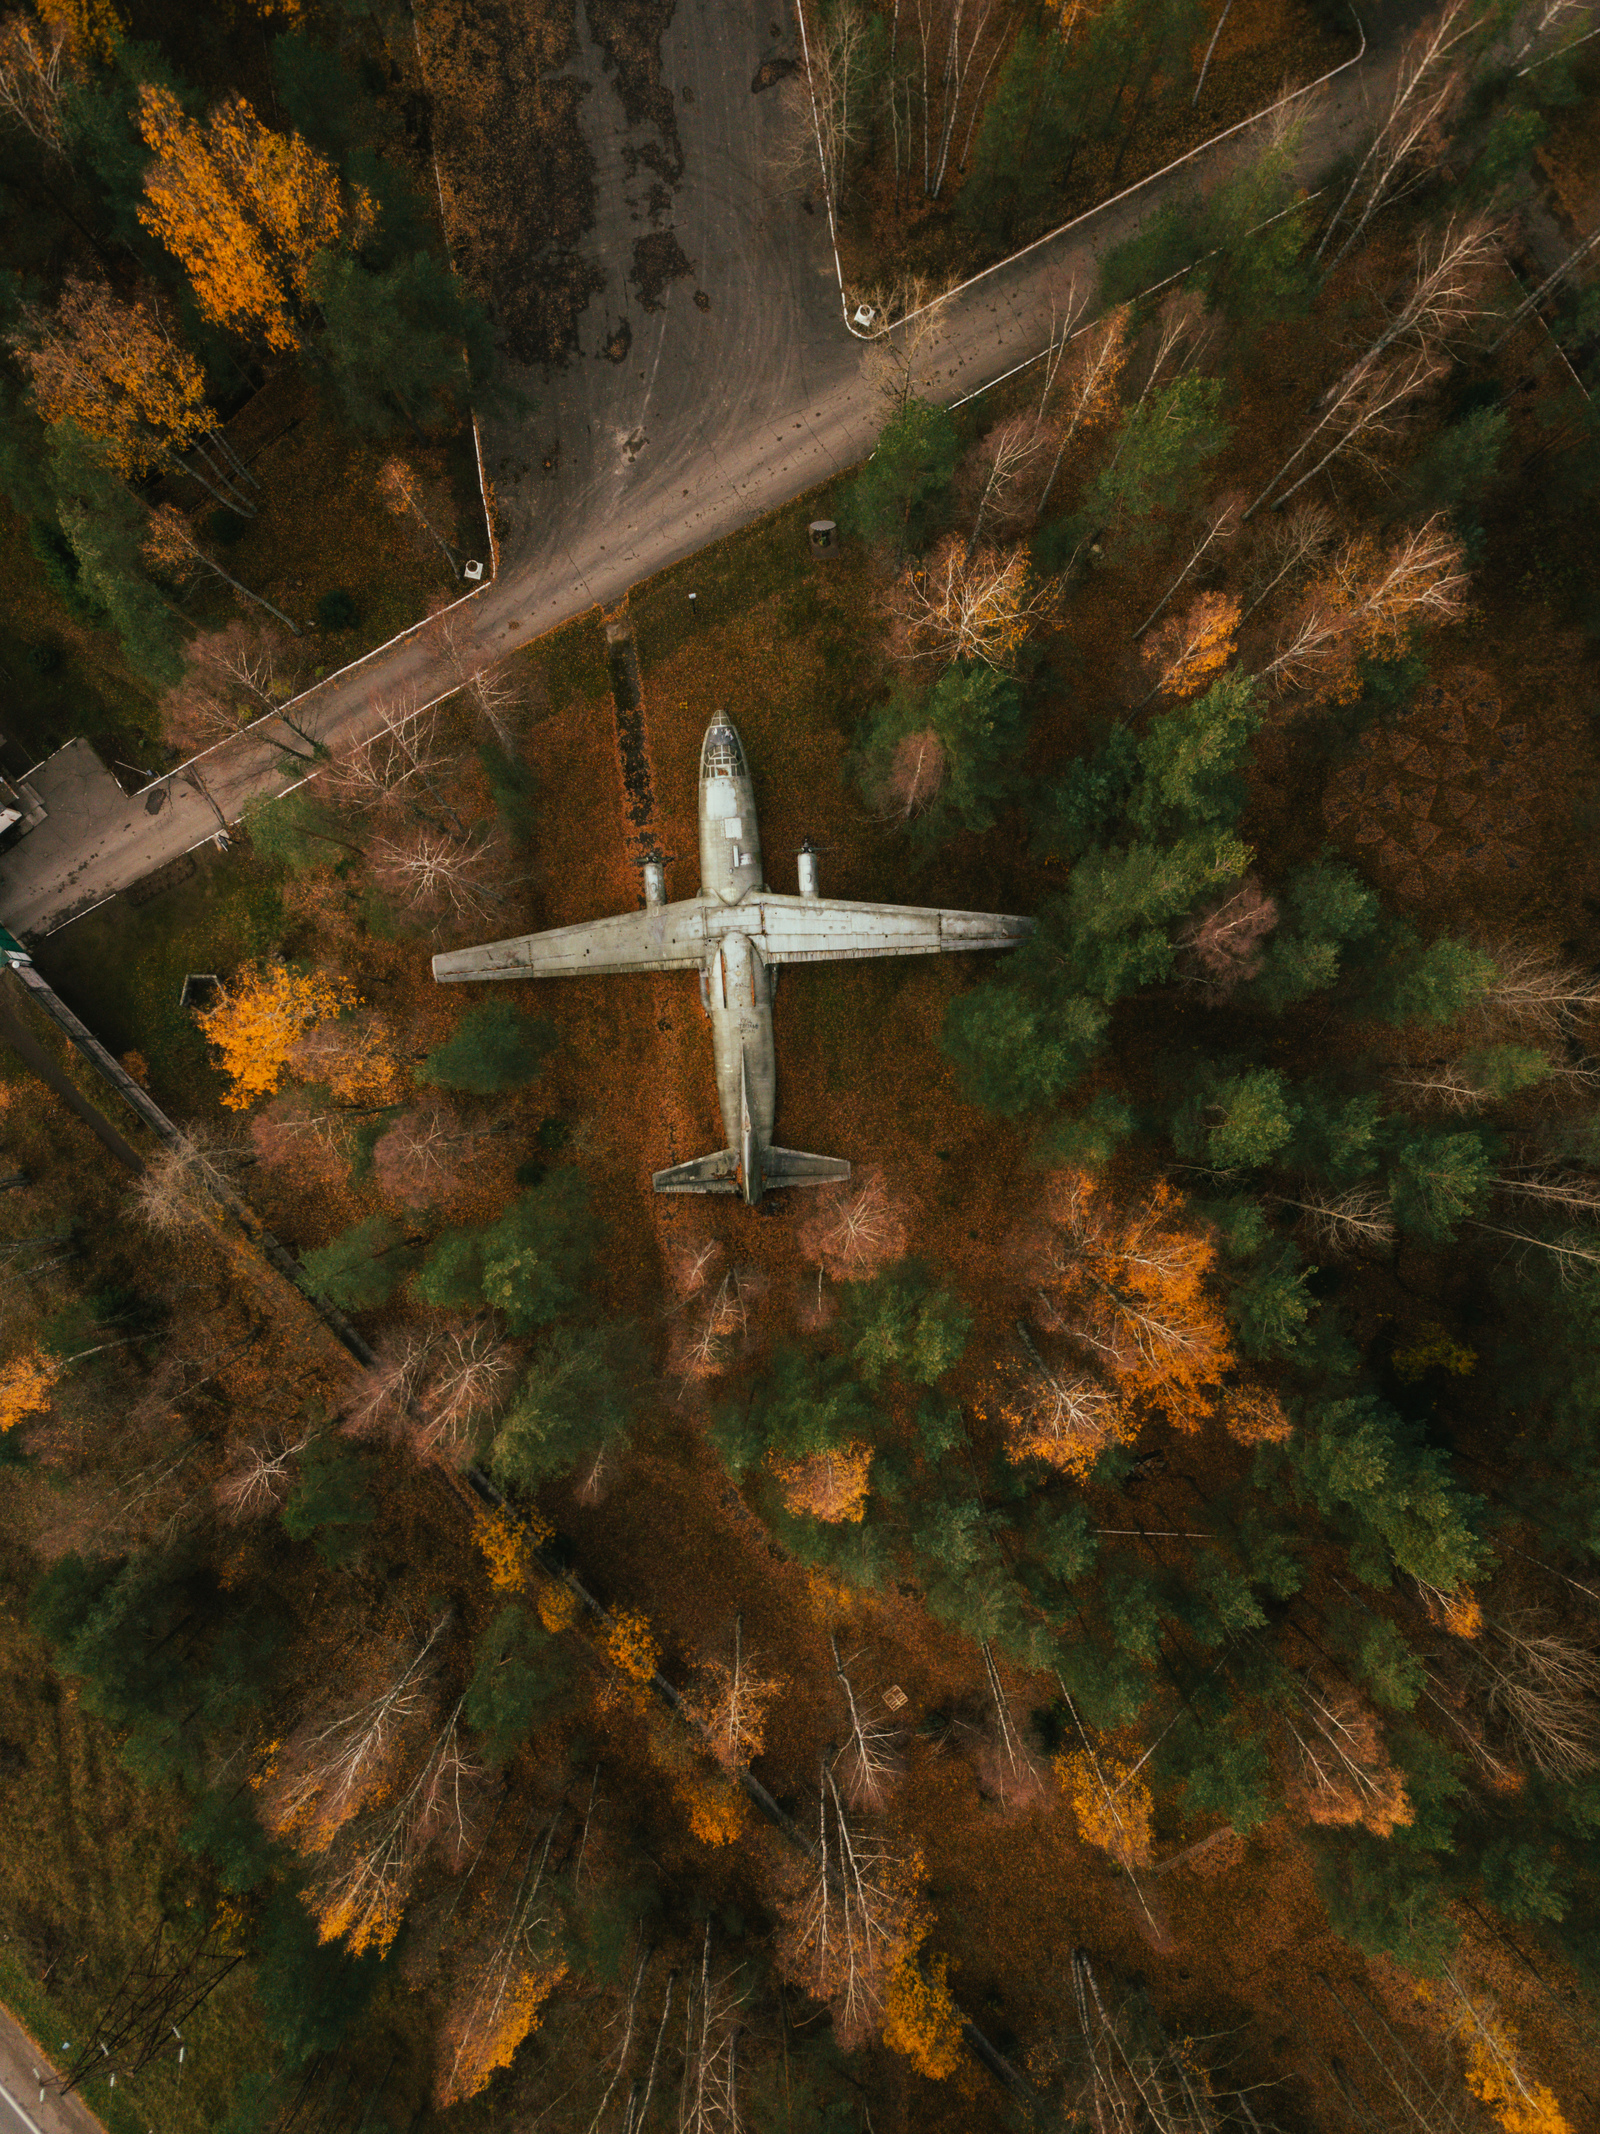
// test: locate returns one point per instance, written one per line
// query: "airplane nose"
(722, 753)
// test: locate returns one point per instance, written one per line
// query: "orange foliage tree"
(1494, 2070)
(90, 29)
(826, 1485)
(117, 371)
(1065, 1417)
(1366, 603)
(1131, 1289)
(246, 210)
(714, 1807)
(508, 1978)
(631, 1647)
(256, 1028)
(729, 1705)
(1190, 648)
(1341, 1770)
(26, 1384)
(507, 1549)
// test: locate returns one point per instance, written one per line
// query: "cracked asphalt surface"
(715, 416)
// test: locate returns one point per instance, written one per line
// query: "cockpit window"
(722, 757)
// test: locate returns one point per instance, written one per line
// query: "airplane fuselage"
(735, 933)
(736, 984)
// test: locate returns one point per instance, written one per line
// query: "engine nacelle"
(808, 870)
(655, 884)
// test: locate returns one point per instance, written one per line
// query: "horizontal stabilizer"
(793, 1167)
(716, 1173)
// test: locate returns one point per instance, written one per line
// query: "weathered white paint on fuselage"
(738, 983)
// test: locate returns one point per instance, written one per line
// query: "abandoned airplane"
(735, 933)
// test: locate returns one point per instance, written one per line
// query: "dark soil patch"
(629, 33)
(657, 260)
(516, 172)
(627, 697)
(771, 72)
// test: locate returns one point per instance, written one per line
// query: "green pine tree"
(895, 496)
(492, 1048)
(576, 1403)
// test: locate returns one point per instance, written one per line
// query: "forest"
(1056, 1633)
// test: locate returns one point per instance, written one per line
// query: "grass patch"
(122, 967)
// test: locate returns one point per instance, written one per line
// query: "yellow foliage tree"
(557, 1607)
(26, 1384)
(513, 2012)
(1253, 1416)
(1493, 2070)
(920, 2019)
(115, 370)
(505, 1545)
(246, 210)
(256, 1028)
(89, 29)
(631, 1647)
(1113, 1808)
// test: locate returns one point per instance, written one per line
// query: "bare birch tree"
(179, 1186)
(1362, 406)
(362, 1897)
(1410, 141)
(432, 872)
(836, 43)
(846, 1934)
(327, 1768)
(1360, 1217)
(998, 473)
(870, 1755)
(1009, 1764)
(708, 2097)
(34, 76)
(261, 1477)
(401, 758)
(1284, 547)
(1536, 990)
(1219, 527)
(949, 607)
(1546, 1690)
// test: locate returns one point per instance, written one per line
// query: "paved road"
(717, 416)
(21, 2110)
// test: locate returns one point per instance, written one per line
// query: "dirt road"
(718, 414)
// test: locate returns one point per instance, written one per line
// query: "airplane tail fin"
(716, 1173)
(793, 1167)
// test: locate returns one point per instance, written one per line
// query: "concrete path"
(717, 416)
(24, 2070)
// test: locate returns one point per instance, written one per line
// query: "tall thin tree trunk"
(1210, 48)
(260, 599)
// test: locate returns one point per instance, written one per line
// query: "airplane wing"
(833, 929)
(670, 938)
